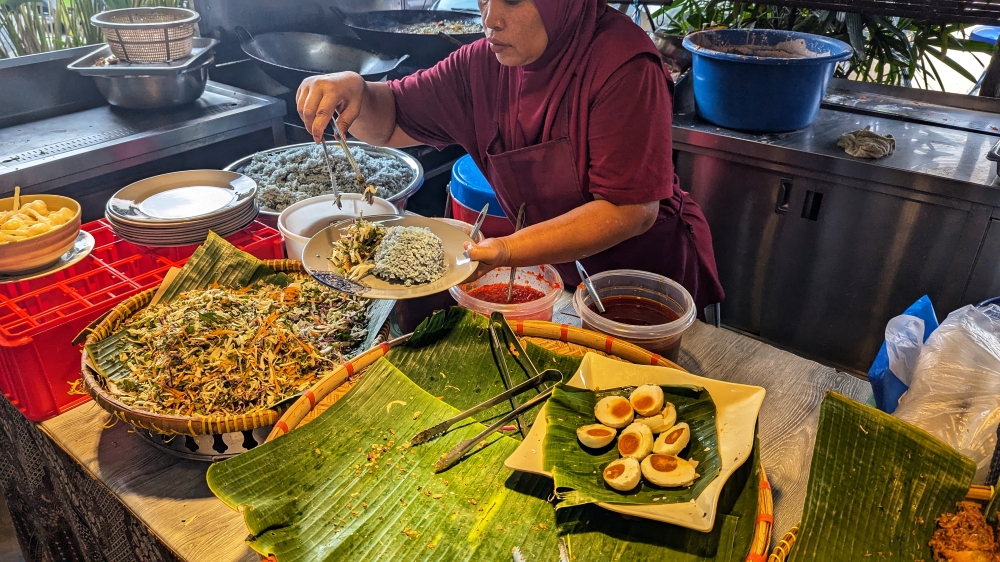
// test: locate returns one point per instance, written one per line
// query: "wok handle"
(342, 21)
(244, 35)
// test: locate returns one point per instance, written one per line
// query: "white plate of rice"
(417, 256)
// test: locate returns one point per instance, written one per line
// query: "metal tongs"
(536, 380)
(368, 190)
(518, 226)
(464, 259)
(329, 168)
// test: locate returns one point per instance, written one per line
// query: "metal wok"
(291, 57)
(378, 30)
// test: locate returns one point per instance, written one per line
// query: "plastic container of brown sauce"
(645, 309)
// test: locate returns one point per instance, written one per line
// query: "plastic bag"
(904, 337)
(886, 387)
(955, 389)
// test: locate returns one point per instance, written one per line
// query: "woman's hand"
(577, 234)
(320, 96)
(490, 253)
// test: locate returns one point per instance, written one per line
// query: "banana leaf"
(578, 472)
(449, 356)
(876, 486)
(217, 261)
(346, 487)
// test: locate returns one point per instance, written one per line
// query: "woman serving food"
(566, 108)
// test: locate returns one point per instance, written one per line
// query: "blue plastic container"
(762, 80)
(469, 192)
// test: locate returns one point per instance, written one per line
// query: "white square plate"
(737, 406)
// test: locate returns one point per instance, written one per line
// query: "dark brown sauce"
(636, 311)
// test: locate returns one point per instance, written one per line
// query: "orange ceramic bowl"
(42, 250)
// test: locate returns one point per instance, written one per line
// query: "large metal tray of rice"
(289, 174)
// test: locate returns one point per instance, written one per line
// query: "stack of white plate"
(181, 208)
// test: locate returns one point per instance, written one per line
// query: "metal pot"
(377, 29)
(291, 57)
(155, 91)
(270, 218)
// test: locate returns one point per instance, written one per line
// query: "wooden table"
(106, 487)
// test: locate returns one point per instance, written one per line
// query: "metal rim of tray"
(412, 163)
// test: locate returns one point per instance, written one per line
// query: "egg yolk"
(598, 432)
(663, 463)
(674, 436)
(614, 471)
(628, 443)
(621, 408)
(643, 402)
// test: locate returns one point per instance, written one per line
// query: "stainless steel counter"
(816, 249)
(50, 153)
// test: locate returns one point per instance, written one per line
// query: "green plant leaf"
(578, 472)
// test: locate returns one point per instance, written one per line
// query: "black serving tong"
(537, 379)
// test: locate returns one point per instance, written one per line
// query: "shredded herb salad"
(353, 253)
(225, 351)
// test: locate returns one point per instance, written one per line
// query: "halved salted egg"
(623, 474)
(668, 471)
(662, 421)
(614, 411)
(669, 414)
(595, 436)
(647, 399)
(636, 441)
(654, 422)
(673, 441)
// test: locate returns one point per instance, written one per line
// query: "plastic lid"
(470, 188)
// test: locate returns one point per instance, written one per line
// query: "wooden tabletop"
(171, 497)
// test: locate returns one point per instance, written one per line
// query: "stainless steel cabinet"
(819, 267)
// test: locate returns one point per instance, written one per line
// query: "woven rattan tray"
(167, 425)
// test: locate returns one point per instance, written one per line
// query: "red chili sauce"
(497, 293)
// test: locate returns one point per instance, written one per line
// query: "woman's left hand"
(490, 253)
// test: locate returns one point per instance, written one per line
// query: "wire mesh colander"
(148, 35)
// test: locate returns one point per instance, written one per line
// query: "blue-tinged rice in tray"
(410, 254)
(289, 176)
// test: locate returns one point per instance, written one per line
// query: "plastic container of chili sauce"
(648, 310)
(536, 290)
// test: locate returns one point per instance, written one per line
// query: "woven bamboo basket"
(167, 425)
(560, 338)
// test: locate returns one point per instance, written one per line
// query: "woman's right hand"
(319, 97)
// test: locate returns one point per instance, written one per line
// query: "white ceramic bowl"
(42, 250)
(301, 221)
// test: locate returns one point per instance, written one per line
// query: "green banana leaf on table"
(347, 487)
(876, 486)
(578, 472)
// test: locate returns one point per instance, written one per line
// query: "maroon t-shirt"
(628, 155)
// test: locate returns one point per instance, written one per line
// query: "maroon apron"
(544, 177)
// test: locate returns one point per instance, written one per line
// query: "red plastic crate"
(40, 318)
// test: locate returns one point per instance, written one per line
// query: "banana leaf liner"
(876, 486)
(421, 516)
(578, 472)
(216, 261)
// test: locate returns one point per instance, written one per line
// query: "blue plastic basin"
(741, 82)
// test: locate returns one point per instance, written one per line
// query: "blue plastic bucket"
(762, 80)
(469, 192)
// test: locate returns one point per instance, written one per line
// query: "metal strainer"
(148, 35)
